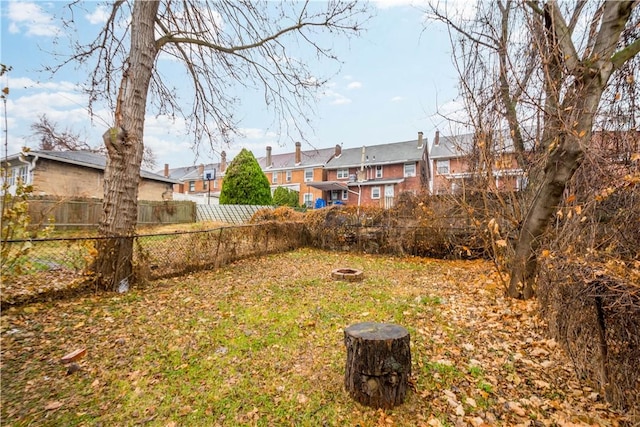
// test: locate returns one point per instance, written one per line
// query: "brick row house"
(297, 171)
(375, 175)
(201, 183)
(456, 163)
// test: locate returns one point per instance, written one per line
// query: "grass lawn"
(260, 342)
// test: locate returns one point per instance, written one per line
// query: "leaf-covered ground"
(261, 343)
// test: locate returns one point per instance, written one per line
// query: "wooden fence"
(88, 212)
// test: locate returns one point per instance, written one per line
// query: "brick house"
(454, 164)
(202, 183)
(76, 174)
(375, 175)
(297, 170)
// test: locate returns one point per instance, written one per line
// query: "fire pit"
(348, 274)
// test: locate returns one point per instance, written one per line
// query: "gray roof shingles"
(397, 152)
(91, 160)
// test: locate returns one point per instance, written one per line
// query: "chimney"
(166, 169)
(420, 134)
(436, 140)
(298, 153)
(338, 150)
(223, 161)
(268, 163)
(201, 170)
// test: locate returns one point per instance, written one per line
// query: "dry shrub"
(589, 287)
(282, 213)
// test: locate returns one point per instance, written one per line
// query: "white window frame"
(443, 167)
(342, 174)
(288, 173)
(192, 186)
(379, 171)
(411, 166)
(308, 178)
(308, 199)
(375, 190)
(345, 194)
(274, 177)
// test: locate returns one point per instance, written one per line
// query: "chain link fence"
(36, 268)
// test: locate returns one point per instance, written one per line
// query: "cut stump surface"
(378, 363)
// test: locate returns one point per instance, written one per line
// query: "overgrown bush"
(588, 287)
(283, 196)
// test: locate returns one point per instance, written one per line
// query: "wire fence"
(42, 266)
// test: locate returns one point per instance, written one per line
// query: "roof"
(88, 159)
(193, 173)
(453, 146)
(383, 154)
(309, 158)
(328, 185)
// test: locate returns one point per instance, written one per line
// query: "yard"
(260, 342)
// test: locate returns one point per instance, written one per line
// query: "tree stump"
(378, 363)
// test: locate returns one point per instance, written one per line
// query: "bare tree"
(222, 45)
(575, 80)
(564, 71)
(51, 138)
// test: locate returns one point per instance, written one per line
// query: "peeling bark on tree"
(378, 363)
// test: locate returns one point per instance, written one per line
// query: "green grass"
(259, 342)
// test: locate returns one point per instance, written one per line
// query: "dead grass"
(260, 342)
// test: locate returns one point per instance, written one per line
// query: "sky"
(394, 80)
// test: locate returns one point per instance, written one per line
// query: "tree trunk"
(125, 148)
(563, 161)
(378, 363)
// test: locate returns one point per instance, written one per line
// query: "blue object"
(320, 203)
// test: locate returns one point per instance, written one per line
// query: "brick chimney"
(268, 162)
(298, 153)
(166, 169)
(223, 161)
(436, 140)
(338, 150)
(420, 135)
(201, 170)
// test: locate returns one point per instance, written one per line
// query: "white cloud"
(386, 4)
(398, 99)
(18, 83)
(30, 18)
(336, 98)
(354, 85)
(98, 16)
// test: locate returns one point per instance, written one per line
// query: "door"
(388, 196)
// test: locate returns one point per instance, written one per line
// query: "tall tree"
(576, 78)
(572, 50)
(222, 45)
(244, 182)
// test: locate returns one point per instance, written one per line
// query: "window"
(375, 192)
(409, 169)
(274, 177)
(288, 176)
(308, 200)
(215, 183)
(334, 194)
(205, 185)
(379, 171)
(308, 175)
(343, 173)
(345, 194)
(442, 166)
(192, 186)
